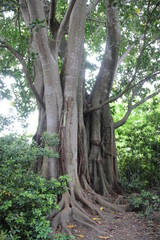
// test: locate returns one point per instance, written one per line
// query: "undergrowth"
(26, 198)
(145, 203)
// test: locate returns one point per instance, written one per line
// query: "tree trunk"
(87, 142)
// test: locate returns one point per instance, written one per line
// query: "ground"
(122, 226)
(117, 226)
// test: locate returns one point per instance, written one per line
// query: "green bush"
(138, 148)
(146, 203)
(134, 184)
(25, 198)
(62, 236)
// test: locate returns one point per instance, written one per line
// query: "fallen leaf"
(118, 220)
(104, 237)
(80, 235)
(71, 226)
(101, 208)
(96, 219)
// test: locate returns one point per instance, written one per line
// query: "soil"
(118, 226)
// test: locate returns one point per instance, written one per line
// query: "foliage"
(61, 236)
(3, 235)
(25, 198)
(138, 144)
(133, 184)
(4, 91)
(146, 203)
(5, 122)
(133, 19)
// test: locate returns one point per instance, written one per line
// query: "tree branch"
(140, 83)
(52, 12)
(145, 99)
(124, 55)
(131, 107)
(25, 12)
(126, 89)
(124, 119)
(136, 68)
(40, 33)
(19, 27)
(106, 73)
(91, 7)
(95, 20)
(64, 24)
(25, 70)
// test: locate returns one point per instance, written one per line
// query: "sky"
(7, 109)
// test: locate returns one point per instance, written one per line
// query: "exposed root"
(121, 200)
(79, 216)
(108, 205)
(70, 210)
(62, 218)
(103, 201)
(90, 205)
(73, 209)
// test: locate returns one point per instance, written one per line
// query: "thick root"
(121, 200)
(103, 201)
(108, 205)
(71, 211)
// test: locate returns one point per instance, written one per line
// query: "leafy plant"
(3, 235)
(38, 24)
(146, 203)
(62, 236)
(134, 184)
(138, 148)
(25, 198)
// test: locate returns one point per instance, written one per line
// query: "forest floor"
(118, 226)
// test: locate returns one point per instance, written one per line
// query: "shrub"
(146, 203)
(25, 198)
(62, 236)
(134, 184)
(138, 147)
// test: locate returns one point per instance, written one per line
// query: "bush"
(146, 203)
(25, 198)
(62, 236)
(138, 148)
(134, 184)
